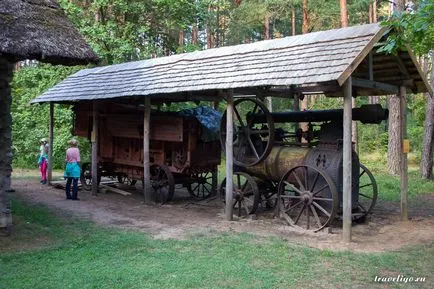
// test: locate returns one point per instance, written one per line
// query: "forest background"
(129, 30)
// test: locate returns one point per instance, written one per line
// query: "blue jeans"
(74, 188)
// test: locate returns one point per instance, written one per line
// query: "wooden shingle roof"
(303, 59)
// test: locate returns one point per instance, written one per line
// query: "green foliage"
(31, 122)
(125, 30)
(75, 254)
(415, 29)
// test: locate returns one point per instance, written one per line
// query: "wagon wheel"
(252, 141)
(126, 180)
(205, 185)
(368, 193)
(163, 183)
(268, 190)
(245, 194)
(307, 198)
(86, 176)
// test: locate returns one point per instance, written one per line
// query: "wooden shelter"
(342, 62)
(36, 29)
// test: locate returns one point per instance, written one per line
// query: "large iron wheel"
(253, 141)
(163, 183)
(368, 193)
(307, 199)
(204, 185)
(245, 195)
(86, 176)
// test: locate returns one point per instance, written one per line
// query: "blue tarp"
(209, 118)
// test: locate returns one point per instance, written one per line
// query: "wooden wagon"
(178, 153)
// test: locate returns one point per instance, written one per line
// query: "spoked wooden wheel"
(252, 140)
(368, 193)
(163, 183)
(308, 198)
(205, 184)
(245, 195)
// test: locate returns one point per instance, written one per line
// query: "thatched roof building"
(38, 29)
(30, 29)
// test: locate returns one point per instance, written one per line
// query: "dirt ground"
(185, 217)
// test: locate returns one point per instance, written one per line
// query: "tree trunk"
(194, 35)
(344, 15)
(6, 72)
(209, 39)
(426, 163)
(305, 25)
(209, 33)
(269, 100)
(217, 30)
(400, 5)
(181, 40)
(370, 14)
(305, 29)
(394, 146)
(293, 20)
(374, 11)
(344, 23)
(267, 27)
(394, 143)
(372, 19)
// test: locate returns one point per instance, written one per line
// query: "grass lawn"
(49, 250)
(389, 186)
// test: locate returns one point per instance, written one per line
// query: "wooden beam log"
(405, 145)
(289, 92)
(347, 161)
(229, 155)
(375, 85)
(116, 190)
(370, 66)
(402, 66)
(146, 159)
(94, 142)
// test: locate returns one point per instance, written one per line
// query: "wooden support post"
(371, 66)
(371, 71)
(296, 103)
(347, 161)
(229, 155)
(269, 101)
(50, 145)
(146, 160)
(405, 146)
(94, 141)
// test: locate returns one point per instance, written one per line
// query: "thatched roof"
(321, 57)
(38, 29)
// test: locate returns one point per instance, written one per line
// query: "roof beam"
(422, 75)
(402, 67)
(375, 85)
(314, 89)
(290, 91)
(370, 66)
